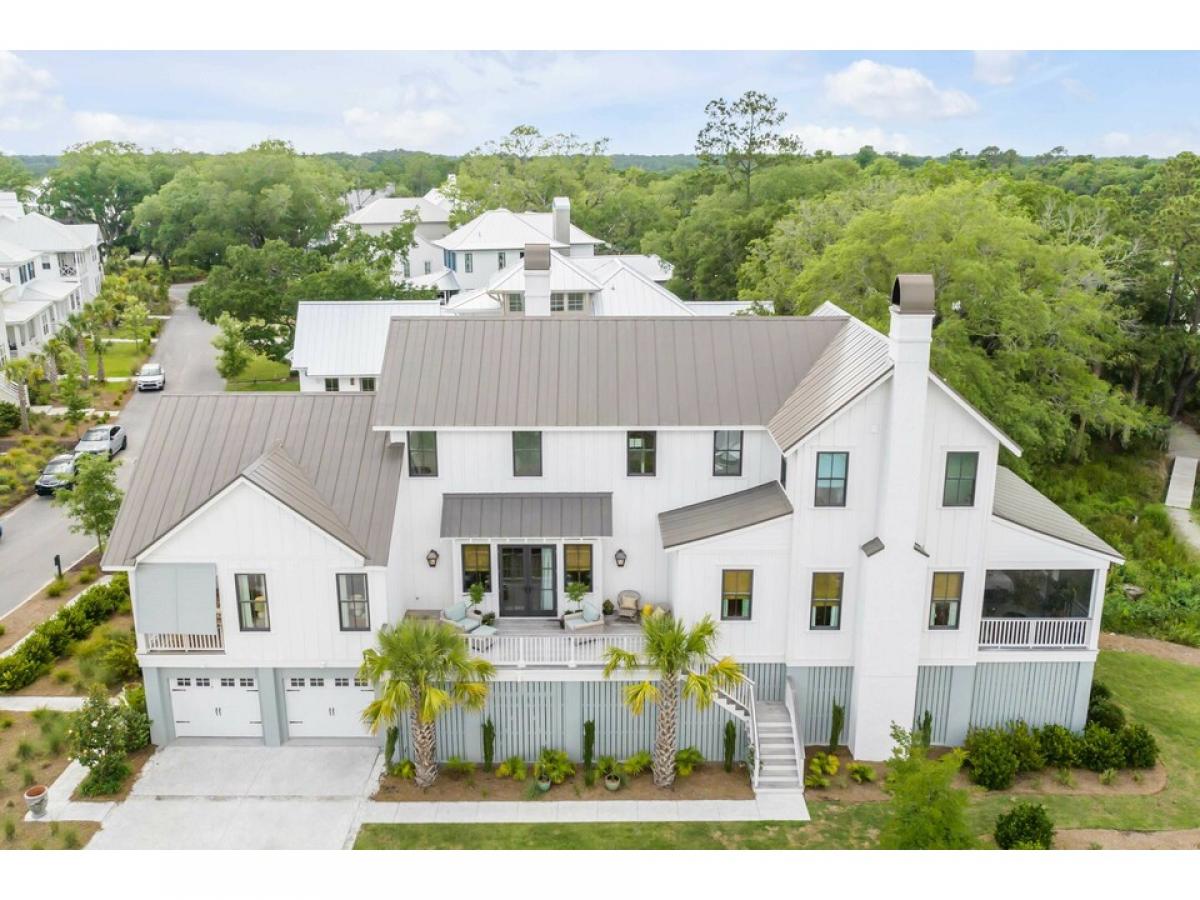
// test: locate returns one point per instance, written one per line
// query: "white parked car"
(151, 378)
(108, 439)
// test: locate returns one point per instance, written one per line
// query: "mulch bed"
(136, 762)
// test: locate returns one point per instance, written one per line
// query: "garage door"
(326, 705)
(216, 704)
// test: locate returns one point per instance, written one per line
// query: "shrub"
(1025, 747)
(513, 767)
(10, 418)
(730, 746)
(1026, 826)
(87, 575)
(1099, 691)
(925, 732)
(489, 743)
(553, 765)
(820, 767)
(110, 657)
(686, 761)
(926, 812)
(404, 769)
(135, 697)
(1101, 749)
(1107, 714)
(837, 719)
(638, 763)
(860, 773)
(106, 777)
(990, 756)
(1059, 746)
(57, 587)
(457, 767)
(1139, 746)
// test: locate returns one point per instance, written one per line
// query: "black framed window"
(574, 302)
(477, 566)
(332, 385)
(961, 469)
(468, 263)
(422, 454)
(945, 600)
(367, 384)
(577, 564)
(501, 260)
(354, 612)
(783, 471)
(516, 303)
(826, 601)
(558, 302)
(831, 479)
(640, 451)
(727, 453)
(253, 611)
(737, 591)
(527, 453)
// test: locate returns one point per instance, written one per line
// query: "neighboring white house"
(807, 482)
(423, 264)
(48, 270)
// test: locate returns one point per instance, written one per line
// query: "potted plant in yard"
(35, 799)
(552, 767)
(475, 598)
(611, 770)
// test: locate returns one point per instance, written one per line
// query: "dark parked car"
(58, 474)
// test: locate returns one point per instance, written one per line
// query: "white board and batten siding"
(246, 531)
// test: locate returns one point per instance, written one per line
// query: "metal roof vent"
(871, 547)
(537, 257)
(913, 294)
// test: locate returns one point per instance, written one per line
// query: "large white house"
(48, 270)
(807, 482)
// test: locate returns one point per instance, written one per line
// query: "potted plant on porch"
(475, 599)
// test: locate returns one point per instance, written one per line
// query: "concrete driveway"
(207, 797)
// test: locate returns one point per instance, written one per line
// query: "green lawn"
(264, 374)
(120, 360)
(1165, 696)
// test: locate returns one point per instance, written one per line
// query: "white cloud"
(1077, 90)
(26, 94)
(1157, 144)
(848, 139)
(1117, 141)
(419, 129)
(997, 67)
(884, 92)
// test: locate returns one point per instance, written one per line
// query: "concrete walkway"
(29, 704)
(1184, 447)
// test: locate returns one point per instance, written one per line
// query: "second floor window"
(558, 303)
(727, 453)
(577, 564)
(354, 612)
(826, 601)
(468, 263)
(737, 587)
(367, 384)
(959, 489)
(831, 479)
(501, 260)
(640, 453)
(945, 600)
(574, 302)
(422, 454)
(253, 612)
(516, 303)
(332, 385)
(428, 267)
(527, 453)
(477, 566)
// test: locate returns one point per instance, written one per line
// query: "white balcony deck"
(1034, 634)
(181, 643)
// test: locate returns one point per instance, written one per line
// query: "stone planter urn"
(612, 782)
(35, 799)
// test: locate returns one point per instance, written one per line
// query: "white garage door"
(216, 704)
(326, 705)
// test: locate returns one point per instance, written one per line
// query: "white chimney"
(892, 600)
(537, 279)
(561, 214)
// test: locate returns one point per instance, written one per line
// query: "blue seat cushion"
(590, 613)
(457, 612)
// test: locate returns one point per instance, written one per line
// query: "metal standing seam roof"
(526, 515)
(41, 233)
(564, 277)
(722, 515)
(1022, 504)
(394, 211)
(503, 229)
(347, 337)
(199, 444)
(595, 372)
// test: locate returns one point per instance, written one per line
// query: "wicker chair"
(629, 605)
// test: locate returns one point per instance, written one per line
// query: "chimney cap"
(913, 294)
(559, 202)
(537, 257)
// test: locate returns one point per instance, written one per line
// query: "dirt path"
(1104, 839)
(1124, 643)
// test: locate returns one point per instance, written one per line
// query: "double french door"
(527, 581)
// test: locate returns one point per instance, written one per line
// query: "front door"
(527, 581)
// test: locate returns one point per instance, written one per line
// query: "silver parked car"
(58, 475)
(108, 439)
(151, 378)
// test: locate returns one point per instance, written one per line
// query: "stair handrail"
(742, 695)
(790, 704)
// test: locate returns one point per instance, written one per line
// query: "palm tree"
(51, 358)
(21, 372)
(674, 653)
(424, 669)
(73, 332)
(95, 322)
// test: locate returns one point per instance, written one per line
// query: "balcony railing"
(184, 643)
(568, 650)
(1041, 634)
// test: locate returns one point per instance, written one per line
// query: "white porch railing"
(1057, 634)
(184, 643)
(567, 650)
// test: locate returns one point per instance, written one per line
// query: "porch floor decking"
(547, 628)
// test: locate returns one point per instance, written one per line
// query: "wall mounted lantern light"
(620, 557)
(431, 557)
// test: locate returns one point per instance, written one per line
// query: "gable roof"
(12, 253)
(199, 444)
(595, 372)
(347, 337)
(650, 265)
(278, 474)
(721, 515)
(564, 276)
(37, 232)
(395, 210)
(502, 229)
(628, 292)
(1022, 504)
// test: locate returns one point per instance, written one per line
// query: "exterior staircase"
(782, 762)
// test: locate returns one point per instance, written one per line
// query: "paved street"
(36, 530)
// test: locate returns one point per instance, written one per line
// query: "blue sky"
(644, 102)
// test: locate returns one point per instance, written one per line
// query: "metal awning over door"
(511, 516)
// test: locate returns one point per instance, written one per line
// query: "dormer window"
(516, 303)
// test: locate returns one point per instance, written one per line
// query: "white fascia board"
(1007, 442)
(1102, 559)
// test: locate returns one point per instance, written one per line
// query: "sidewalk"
(1184, 447)
(22, 703)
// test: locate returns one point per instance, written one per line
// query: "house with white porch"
(807, 482)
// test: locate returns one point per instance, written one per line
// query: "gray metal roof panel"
(597, 372)
(1022, 504)
(199, 444)
(513, 515)
(718, 516)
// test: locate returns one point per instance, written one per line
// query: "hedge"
(50, 640)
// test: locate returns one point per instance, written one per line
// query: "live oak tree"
(94, 500)
(743, 136)
(422, 669)
(15, 177)
(681, 662)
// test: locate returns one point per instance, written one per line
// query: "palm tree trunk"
(424, 738)
(100, 361)
(666, 725)
(23, 401)
(81, 352)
